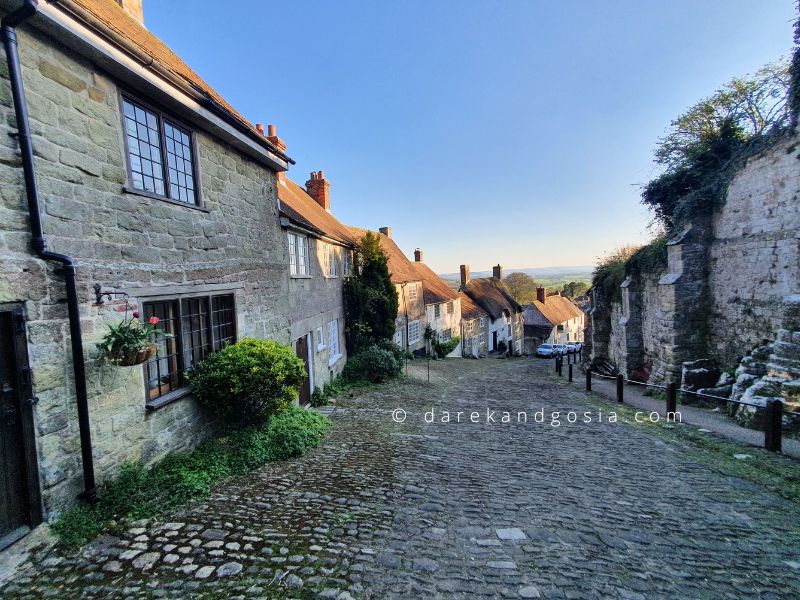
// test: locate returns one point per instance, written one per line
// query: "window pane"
(144, 148)
(194, 329)
(162, 372)
(179, 148)
(223, 320)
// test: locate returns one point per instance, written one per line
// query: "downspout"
(38, 242)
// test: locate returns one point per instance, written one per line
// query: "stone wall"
(125, 242)
(725, 287)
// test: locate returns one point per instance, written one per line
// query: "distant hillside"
(547, 276)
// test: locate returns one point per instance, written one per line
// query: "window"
(333, 342)
(330, 261)
(470, 326)
(509, 331)
(197, 326)
(346, 262)
(153, 140)
(447, 335)
(320, 341)
(412, 291)
(437, 310)
(398, 337)
(449, 308)
(480, 323)
(298, 255)
(413, 332)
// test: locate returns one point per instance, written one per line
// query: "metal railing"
(773, 411)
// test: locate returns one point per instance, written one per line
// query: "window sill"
(167, 398)
(321, 348)
(133, 191)
(333, 360)
(300, 276)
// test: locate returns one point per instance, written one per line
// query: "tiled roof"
(298, 206)
(434, 289)
(400, 267)
(469, 309)
(493, 296)
(557, 309)
(112, 17)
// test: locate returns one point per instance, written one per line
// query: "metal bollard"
(588, 380)
(672, 398)
(569, 371)
(773, 425)
(556, 363)
(620, 387)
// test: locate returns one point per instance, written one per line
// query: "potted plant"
(131, 342)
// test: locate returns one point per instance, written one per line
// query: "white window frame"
(299, 263)
(331, 265)
(414, 332)
(412, 291)
(320, 340)
(333, 343)
(480, 323)
(346, 262)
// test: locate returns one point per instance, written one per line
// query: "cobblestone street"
(457, 510)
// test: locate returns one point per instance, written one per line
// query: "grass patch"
(775, 472)
(140, 492)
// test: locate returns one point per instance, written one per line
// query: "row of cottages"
(553, 319)
(493, 319)
(442, 306)
(127, 183)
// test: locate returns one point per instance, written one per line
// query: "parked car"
(560, 349)
(572, 348)
(546, 351)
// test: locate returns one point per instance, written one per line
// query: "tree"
(752, 105)
(573, 289)
(522, 286)
(370, 298)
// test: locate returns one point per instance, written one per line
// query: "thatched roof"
(557, 309)
(435, 289)
(493, 296)
(469, 309)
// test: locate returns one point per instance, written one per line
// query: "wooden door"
(302, 352)
(19, 479)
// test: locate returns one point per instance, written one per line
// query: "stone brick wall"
(755, 255)
(314, 302)
(414, 309)
(124, 242)
(725, 288)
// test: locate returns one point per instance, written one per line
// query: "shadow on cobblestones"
(463, 510)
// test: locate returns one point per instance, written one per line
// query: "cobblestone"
(455, 510)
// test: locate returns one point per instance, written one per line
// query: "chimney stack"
(134, 9)
(272, 137)
(387, 231)
(319, 189)
(418, 255)
(541, 294)
(497, 272)
(464, 275)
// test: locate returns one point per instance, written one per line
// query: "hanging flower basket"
(131, 357)
(131, 342)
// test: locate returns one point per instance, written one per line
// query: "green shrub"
(373, 364)
(445, 348)
(248, 381)
(138, 492)
(296, 430)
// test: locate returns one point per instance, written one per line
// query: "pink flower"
(136, 314)
(153, 320)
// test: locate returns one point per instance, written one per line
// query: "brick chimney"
(272, 137)
(497, 272)
(134, 9)
(541, 294)
(319, 189)
(418, 255)
(387, 231)
(464, 275)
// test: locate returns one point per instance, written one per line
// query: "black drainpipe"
(38, 242)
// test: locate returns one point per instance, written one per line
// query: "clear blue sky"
(494, 131)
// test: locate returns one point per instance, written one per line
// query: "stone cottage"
(474, 328)
(442, 304)
(320, 255)
(552, 318)
(126, 181)
(505, 323)
(411, 319)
